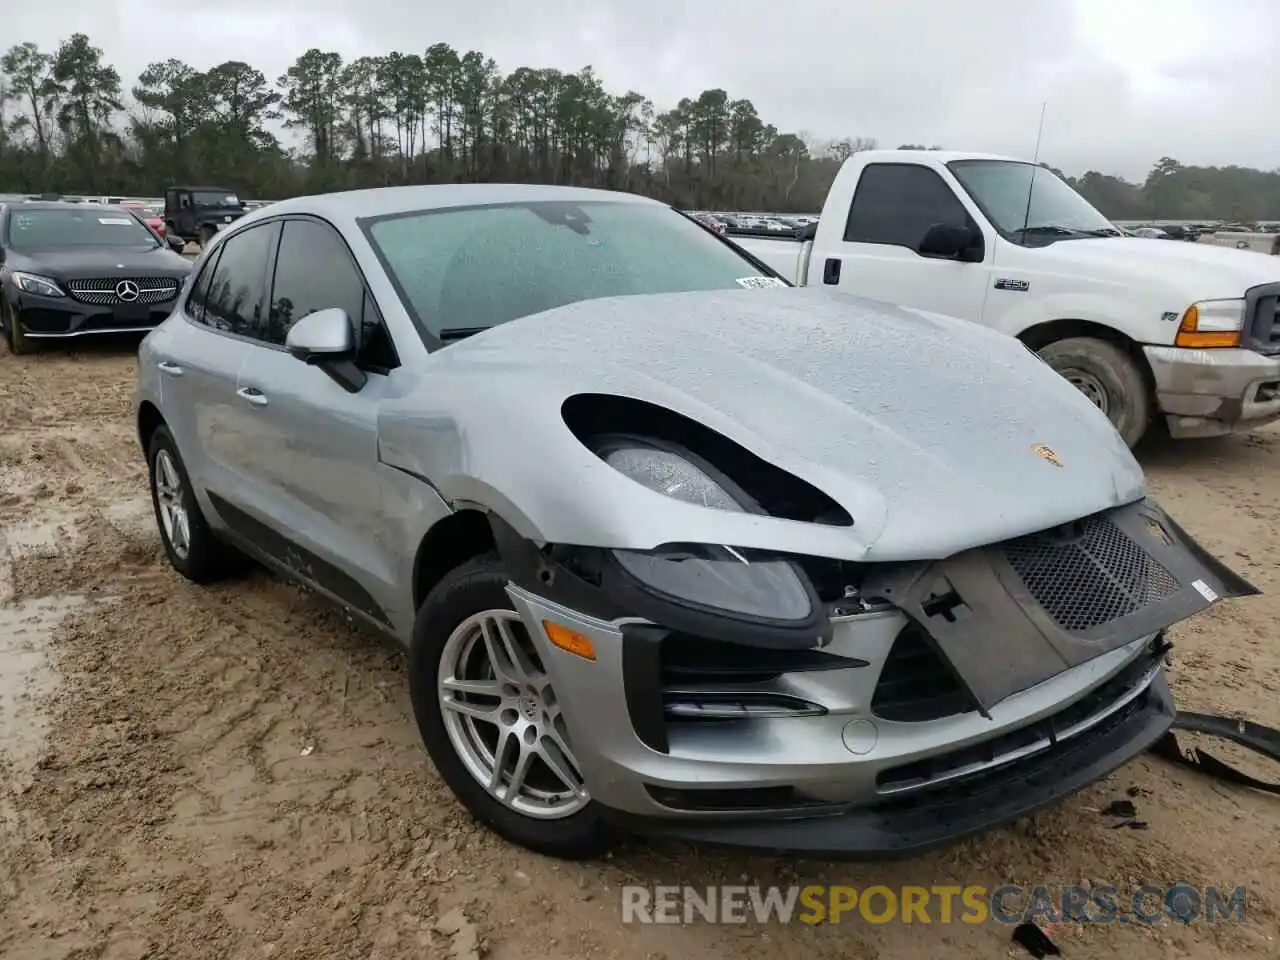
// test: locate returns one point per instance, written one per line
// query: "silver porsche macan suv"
(671, 545)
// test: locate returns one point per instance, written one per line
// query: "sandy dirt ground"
(235, 772)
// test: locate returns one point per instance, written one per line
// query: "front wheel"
(489, 716)
(1109, 377)
(14, 337)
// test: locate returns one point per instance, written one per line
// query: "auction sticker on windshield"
(756, 283)
(116, 221)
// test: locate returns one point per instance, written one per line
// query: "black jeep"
(197, 213)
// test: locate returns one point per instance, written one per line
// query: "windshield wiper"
(449, 334)
(1056, 230)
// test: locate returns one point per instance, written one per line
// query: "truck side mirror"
(808, 232)
(946, 241)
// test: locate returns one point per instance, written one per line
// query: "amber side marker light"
(1190, 334)
(570, 641)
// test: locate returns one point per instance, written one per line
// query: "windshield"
(86, 227)
(214, 198)
(1057, 212)
(465, 269)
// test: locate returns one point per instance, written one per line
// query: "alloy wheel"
(503, 719)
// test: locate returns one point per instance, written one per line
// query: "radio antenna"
(1035, 166)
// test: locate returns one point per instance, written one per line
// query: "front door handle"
(253, 395)
(167, 366)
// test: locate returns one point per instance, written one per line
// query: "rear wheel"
(488, 713)
(192, 547)
(1109, 377)
(14, 337)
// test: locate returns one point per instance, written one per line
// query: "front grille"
(1088, 573)
(916, 685)
(102, 292)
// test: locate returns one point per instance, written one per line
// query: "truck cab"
(197, 213)
(1185, 332)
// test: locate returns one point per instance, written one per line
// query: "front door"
(312, 449)
(893, 207)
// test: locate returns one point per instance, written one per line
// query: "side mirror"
(321, 336)
(808, 232)
(326, 339)
(176, 243)
(946, 241)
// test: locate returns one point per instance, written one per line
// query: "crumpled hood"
(922, 427)
(1202, 271)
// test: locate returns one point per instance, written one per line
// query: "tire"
(477, 589)
(14, 338)
(207, 233)
(203, 558)
(1109, 377)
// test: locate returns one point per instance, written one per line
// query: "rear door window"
(236, 301)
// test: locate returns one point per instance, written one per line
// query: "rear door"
(196, 368)
(894, 204)
(313, 446)
(232, 316)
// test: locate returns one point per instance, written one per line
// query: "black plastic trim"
(1261, 323)
(297, 560)
(642, 683)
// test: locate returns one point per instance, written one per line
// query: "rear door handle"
(831, 271)
(170, 368)
(253, 395)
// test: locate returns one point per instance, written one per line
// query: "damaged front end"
(818, 705)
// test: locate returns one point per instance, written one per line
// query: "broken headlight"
(713, 577)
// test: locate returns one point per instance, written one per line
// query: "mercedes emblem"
(127, 291)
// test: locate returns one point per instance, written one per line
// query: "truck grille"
(1263, 333)
(1088, 573)
(106, 290)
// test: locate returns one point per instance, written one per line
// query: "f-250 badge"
(1016, 286)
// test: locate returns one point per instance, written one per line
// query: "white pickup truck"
(1143, 328)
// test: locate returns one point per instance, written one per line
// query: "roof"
(941, 156)
(381, 201)
(213, 189)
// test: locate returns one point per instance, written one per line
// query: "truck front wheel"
(1108, 377)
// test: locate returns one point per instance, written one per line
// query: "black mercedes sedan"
(75, 270)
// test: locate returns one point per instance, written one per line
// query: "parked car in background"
(672, 547)
(196, 214)
(1184, 332)
(73, 270)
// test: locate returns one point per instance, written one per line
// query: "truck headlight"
(40, 286)
(709, 576)
(1211, 323)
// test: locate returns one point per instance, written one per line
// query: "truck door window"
(896, 204)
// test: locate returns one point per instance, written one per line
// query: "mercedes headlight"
(717, 578)
(40, 286)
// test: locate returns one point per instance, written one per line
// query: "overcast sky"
(1126, 81)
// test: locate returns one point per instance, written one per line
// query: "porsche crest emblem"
(1046, 453)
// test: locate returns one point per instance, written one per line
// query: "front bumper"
(906, 725)
(1208, 393)
(848, 782)
(54, 318)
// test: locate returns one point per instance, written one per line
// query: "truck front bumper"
(1208, 393)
